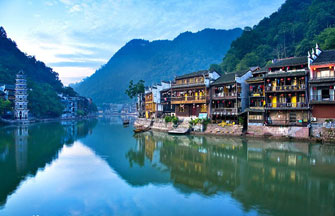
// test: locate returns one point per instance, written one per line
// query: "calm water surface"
(100, 168)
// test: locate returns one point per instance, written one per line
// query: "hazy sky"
(76, 37)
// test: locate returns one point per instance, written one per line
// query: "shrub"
(175, 120)
(168, 119)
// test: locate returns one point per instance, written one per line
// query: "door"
(294, 101)
(194, 111)
(274, 85)
(274, 101)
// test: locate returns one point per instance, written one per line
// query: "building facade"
(256, 110)
(21, 97)
(190, 93)
(150, 106)
(321, 84)
(286, 92)
(229, 96)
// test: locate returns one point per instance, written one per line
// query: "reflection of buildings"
(265, 173)
(21, 147)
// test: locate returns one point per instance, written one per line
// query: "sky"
(76, 37)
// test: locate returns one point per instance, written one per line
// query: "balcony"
(286, 105)
(187, 84)
(188, 100)
(322, 79)
(322, 99)
(256, 94)
(285, 88)
(231, 95)
(225, 111)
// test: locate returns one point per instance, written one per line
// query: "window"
(181, 108)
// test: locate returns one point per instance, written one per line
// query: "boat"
(141, 129)
(179, 131)
(126, 122)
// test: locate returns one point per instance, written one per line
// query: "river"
(99, 167)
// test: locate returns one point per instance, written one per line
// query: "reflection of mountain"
(26, 149)
(271, 176)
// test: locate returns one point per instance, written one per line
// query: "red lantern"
(229, 102)
(303, 95)
(289, 95)
(269, 69)
(288, 68)
(250, 87)
(282, 95)
(283, 68)
(252, 101)
(262, 101)
(302, 66)
(302, 78)
(314, 88)
(281, 79)
(288, 79)
(270, 96)
(268, 80)
(331, 87)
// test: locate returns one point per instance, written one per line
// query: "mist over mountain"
(156, 61)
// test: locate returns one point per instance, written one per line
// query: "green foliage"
(68, 91)
(291, 31)
(326, 39)
(135, 89)
(44, 101)
(5, 105)
(196, 121)
(175, 120)
(81, 113)
(168, 119)
(241, 120)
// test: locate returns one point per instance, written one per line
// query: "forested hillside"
(43, 82)
(156, 61)
(291, 31)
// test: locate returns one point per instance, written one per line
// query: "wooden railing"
(188, 98)
(226, 95)
(285, 88)
(225, 111)
(286, 105)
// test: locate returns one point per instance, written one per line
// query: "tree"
(5, 105)
(135, 89)
(326, 39)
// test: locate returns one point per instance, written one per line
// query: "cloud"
(75, 8)
(66, 33)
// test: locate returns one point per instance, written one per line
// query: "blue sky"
(75, 37)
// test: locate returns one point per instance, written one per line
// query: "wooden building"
(229, 96)
(322, 83)
(150, 106)
(190, 93)
(286, 92)
(256, 110)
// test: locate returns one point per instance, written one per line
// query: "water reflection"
(274, 177)
(26, 149)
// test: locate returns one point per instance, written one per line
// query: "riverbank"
(316, 133)
(10, 121)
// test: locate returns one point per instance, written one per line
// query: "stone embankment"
(315, 133)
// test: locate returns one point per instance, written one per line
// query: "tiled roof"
(194, 74)
(325, 57)
(229, 77)
(10, 87)
(254, 79)
(286, 74)
(293, 61)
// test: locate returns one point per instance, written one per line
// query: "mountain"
(156, 61)
(291, 31)
(42, 81)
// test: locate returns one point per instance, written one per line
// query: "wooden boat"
(140, 130)
(179, 131)
(126, 122)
